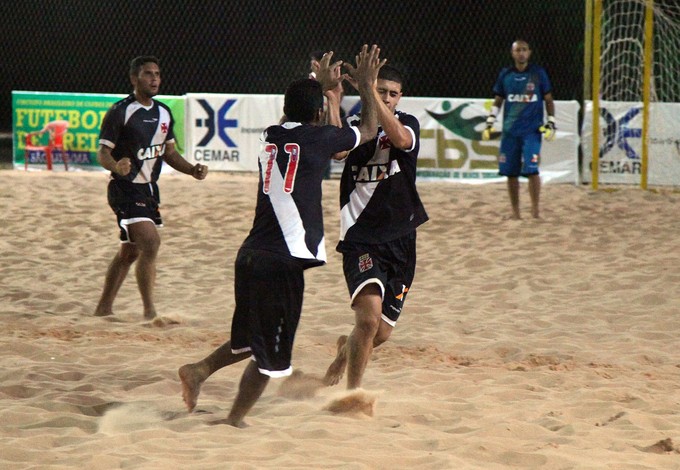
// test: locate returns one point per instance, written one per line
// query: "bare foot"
(240, 424)
(150, 314)
(192, 377)
(102, 312)
(337, 368)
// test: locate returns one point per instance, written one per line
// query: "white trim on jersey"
(107, 143)
(413, 139)
(289, 219)
(358, 201)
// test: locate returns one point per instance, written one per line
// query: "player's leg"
(117, 270)
(530, 161)
(193, 375)
(115, 275)
(250, 388)
(513, 194)
(367, 308)
(147, 240)
(509, 165)
(365, 280)
(535, 194)
(277, 287)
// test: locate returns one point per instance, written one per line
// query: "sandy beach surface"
(531, 344)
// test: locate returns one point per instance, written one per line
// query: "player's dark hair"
(137, 63)
(302, 100)
(387, 72)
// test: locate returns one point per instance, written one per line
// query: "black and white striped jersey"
(378, 197)
(139, 133)
(292, 163)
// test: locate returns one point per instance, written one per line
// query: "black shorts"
(391, 265)
(268, 288)
(134, 203)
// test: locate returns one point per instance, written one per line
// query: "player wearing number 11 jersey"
(287, 235)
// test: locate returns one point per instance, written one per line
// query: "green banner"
(33, 110)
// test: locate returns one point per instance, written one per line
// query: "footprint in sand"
(664, 446)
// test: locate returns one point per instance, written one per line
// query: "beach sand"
(547, 344)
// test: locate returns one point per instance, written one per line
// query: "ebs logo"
(218, 123)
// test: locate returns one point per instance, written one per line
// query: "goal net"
(638, 80)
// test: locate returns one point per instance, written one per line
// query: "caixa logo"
(216, 122)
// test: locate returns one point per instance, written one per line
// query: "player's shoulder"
(406, 118)
(123, 103)
(160, 104)
(505, 71)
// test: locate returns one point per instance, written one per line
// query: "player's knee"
(367, 322)
(149, 245)
(128, 253)
(382, 335)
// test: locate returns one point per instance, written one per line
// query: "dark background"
(451, 48)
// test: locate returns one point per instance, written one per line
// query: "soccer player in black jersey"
(287, 235)
(380, 210)
(135, 138)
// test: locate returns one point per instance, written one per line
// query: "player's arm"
(549, 128)
(106, 160)
(549, 104)
(366, 76)
(399, 135)
(491, 118)
(333, 117)
(175, 160)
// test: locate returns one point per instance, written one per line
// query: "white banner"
(451, 148)
(620, 155)
(223, 132)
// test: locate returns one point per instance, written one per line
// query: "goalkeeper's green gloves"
(548, 129)
(486, 133)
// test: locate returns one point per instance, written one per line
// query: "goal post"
(634, 91)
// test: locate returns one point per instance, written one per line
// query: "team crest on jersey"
(164, 127)
(365, 263)
(384, 142)
(531, 87)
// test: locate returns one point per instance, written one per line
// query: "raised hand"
(368, 64)
(329, 75)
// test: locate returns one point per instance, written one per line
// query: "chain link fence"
(446, 48)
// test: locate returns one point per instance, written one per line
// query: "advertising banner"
(82, 113)
(620, 153)
(451, 146)
(223, 130)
